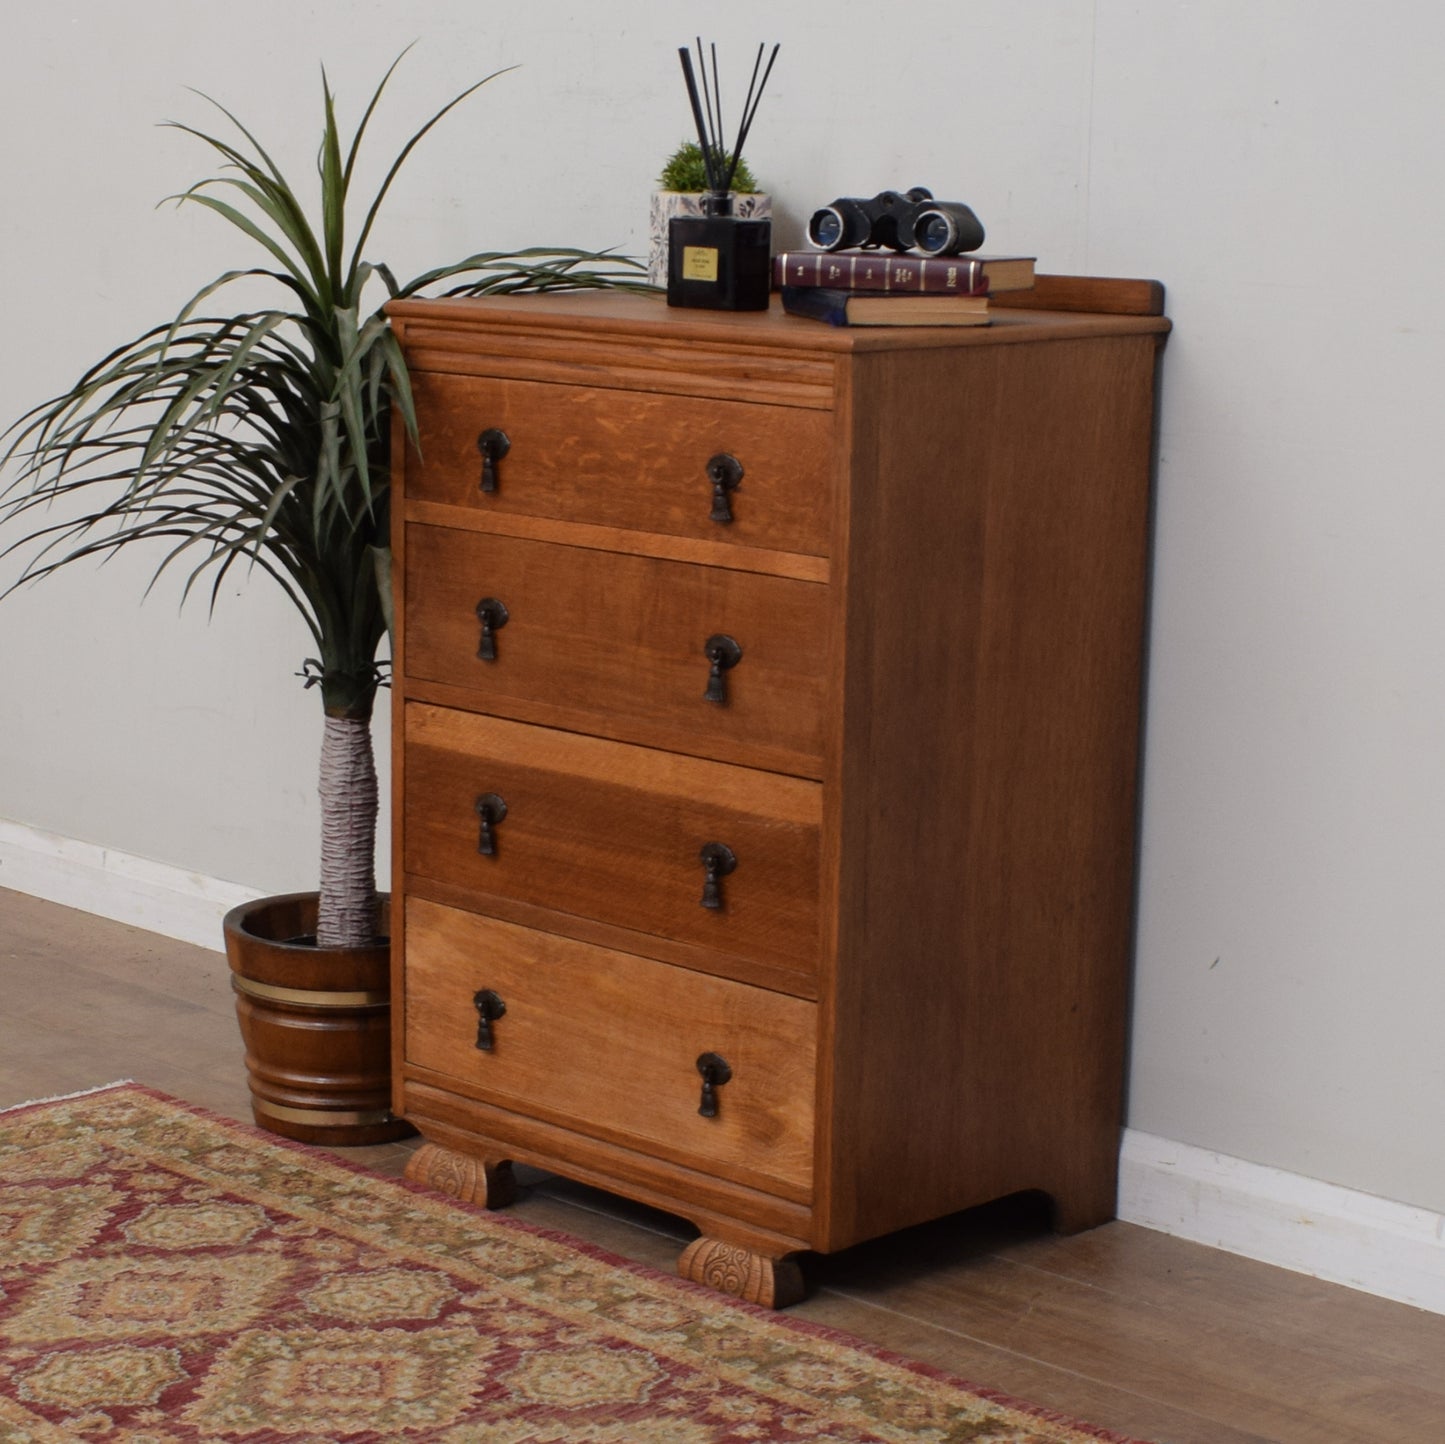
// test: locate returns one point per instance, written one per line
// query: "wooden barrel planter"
(316, 1023)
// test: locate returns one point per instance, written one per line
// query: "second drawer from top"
(705, 660)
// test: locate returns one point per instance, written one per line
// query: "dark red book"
(908, 274)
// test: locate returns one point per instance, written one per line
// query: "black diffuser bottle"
(719, 261)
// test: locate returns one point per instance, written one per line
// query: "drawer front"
(615, 833)
(608, 1043)
(618, 644)
(637, 460)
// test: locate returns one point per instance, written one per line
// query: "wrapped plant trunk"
(349, 906)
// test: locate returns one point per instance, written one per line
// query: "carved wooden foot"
(460, 1176)
(731, 1269)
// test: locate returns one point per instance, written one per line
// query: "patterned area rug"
(169, 1276)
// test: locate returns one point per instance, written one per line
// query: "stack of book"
(884, 288)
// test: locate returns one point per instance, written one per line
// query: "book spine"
(817, 303)
(881, 271)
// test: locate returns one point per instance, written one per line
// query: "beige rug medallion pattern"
(169, 1276)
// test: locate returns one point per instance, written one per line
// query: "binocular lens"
(826, 229)
(946, 228)
(934, 233)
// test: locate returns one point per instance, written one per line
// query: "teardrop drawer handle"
(493, 445)
(723, 654)
(725, 472)
(489, 1008)
(715, 1072)
(490, 811)
(493, 615)
(718, 860)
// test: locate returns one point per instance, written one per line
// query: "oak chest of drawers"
(766, 718)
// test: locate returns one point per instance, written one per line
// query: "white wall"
(1278, 165)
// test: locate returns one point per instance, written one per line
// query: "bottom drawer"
(608, 1044)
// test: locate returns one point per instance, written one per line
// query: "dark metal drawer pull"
(715, 1072)
(493, 445)
(493, 616)
(718, 861)
(489, 1008)
(724, 654)
(490, 811)
(725, 472)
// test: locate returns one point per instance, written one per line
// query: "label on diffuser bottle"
(699, 263)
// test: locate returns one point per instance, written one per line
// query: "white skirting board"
(151, 895)
(1385, 1248)
(1297, 1223)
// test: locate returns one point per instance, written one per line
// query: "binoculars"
(902, 220)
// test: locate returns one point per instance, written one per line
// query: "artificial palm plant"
(260, 437)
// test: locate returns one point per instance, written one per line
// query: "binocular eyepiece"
(901, 220)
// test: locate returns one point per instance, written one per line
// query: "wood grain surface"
(607, 1043)
(627, 459)
(614, 644)
(612, 832)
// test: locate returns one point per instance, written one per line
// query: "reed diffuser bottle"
(719, 261)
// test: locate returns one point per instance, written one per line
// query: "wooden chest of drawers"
(765, 741)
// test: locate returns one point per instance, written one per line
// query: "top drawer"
(631, 459)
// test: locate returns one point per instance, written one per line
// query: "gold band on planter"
(323, 1117)
(303, 998)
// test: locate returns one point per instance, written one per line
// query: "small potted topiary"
(679, 193)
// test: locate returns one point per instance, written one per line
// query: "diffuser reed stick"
(719, 165)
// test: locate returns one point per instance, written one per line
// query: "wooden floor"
(1127, 1329)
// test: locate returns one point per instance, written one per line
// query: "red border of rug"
(602, 1255)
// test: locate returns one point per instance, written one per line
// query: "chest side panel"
(996, 572)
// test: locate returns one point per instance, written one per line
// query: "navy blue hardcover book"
(863, 308)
